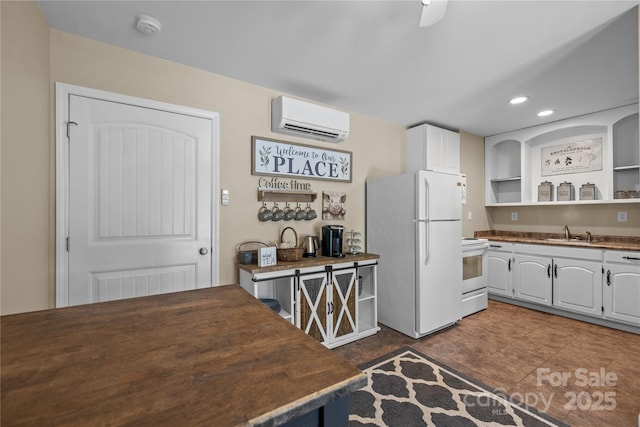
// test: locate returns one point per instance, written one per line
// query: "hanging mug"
(264, 214)
(289, 213)
(310, 213)
(278, 214)
(300, 214)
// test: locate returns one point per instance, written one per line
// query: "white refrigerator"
(413, 223)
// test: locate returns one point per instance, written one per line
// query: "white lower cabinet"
(622, 288)
(602, 284)
(333, 303)
(532, 278)
(577, 285)
(564, 277)
(500, 269)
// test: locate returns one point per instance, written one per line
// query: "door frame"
(63, 91)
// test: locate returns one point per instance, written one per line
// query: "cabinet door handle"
(495, 246)
(509, 266)
(549, 270)
(555, 271)
(608, 277)
(631, 257)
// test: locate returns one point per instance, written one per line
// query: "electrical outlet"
(225, 197)
(514, 216)
(622, 216)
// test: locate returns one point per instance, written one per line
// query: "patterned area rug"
(408, 389)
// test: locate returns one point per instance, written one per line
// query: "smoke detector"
(148, 25)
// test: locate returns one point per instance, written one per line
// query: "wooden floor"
(526, 353)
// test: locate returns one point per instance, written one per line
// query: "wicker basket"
(289, 254)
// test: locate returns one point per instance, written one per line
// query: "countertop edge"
(307, 262)
(309, 403)
(619, 243)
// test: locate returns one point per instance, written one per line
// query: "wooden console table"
(213, 356)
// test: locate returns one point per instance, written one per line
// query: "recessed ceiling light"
(518, 100)
(545, 113)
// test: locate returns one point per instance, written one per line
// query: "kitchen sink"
(571, 241)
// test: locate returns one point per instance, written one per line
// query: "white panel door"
(140, 183)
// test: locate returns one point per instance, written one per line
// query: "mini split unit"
(300, 118)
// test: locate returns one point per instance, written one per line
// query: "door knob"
(204, 251)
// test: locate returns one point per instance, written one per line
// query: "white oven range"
(474, 275)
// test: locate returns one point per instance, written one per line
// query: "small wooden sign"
(267, 256)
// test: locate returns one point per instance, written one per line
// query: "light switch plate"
(622, 216)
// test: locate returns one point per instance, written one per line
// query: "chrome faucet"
(567, 233)
(589, 236)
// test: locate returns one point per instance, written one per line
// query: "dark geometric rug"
(408, 389)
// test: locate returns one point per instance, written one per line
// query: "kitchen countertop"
(622, 243)
(214, 356)
(307, 262)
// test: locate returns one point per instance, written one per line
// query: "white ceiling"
(372, 58)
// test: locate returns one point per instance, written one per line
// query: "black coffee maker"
(332, 241)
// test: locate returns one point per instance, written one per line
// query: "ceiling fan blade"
(432, 12)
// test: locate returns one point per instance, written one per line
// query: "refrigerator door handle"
(426, 199)
(427, 238)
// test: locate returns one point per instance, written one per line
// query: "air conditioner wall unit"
(307, 120)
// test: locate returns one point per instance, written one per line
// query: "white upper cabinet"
(432, 148)
(600, 149)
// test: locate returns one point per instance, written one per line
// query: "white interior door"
(140, 201)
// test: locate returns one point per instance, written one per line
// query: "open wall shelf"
(513, 160)
(286, 196)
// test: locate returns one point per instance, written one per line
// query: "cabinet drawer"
(500, 246)
(559, 251)
(626, 257)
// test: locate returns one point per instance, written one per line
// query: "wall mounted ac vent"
(294, 117)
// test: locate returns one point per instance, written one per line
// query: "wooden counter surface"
(307, 262)
(215, 356)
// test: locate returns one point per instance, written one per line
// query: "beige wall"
(28, 213)
(26, 219)
(598, 219)
(244, 109)
(472, 165)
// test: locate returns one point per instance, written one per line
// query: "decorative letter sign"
(271, 157)
(577, 156)
(267, 256)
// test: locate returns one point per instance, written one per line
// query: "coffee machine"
(332, 237)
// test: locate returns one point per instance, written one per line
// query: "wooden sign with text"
(280, 158)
